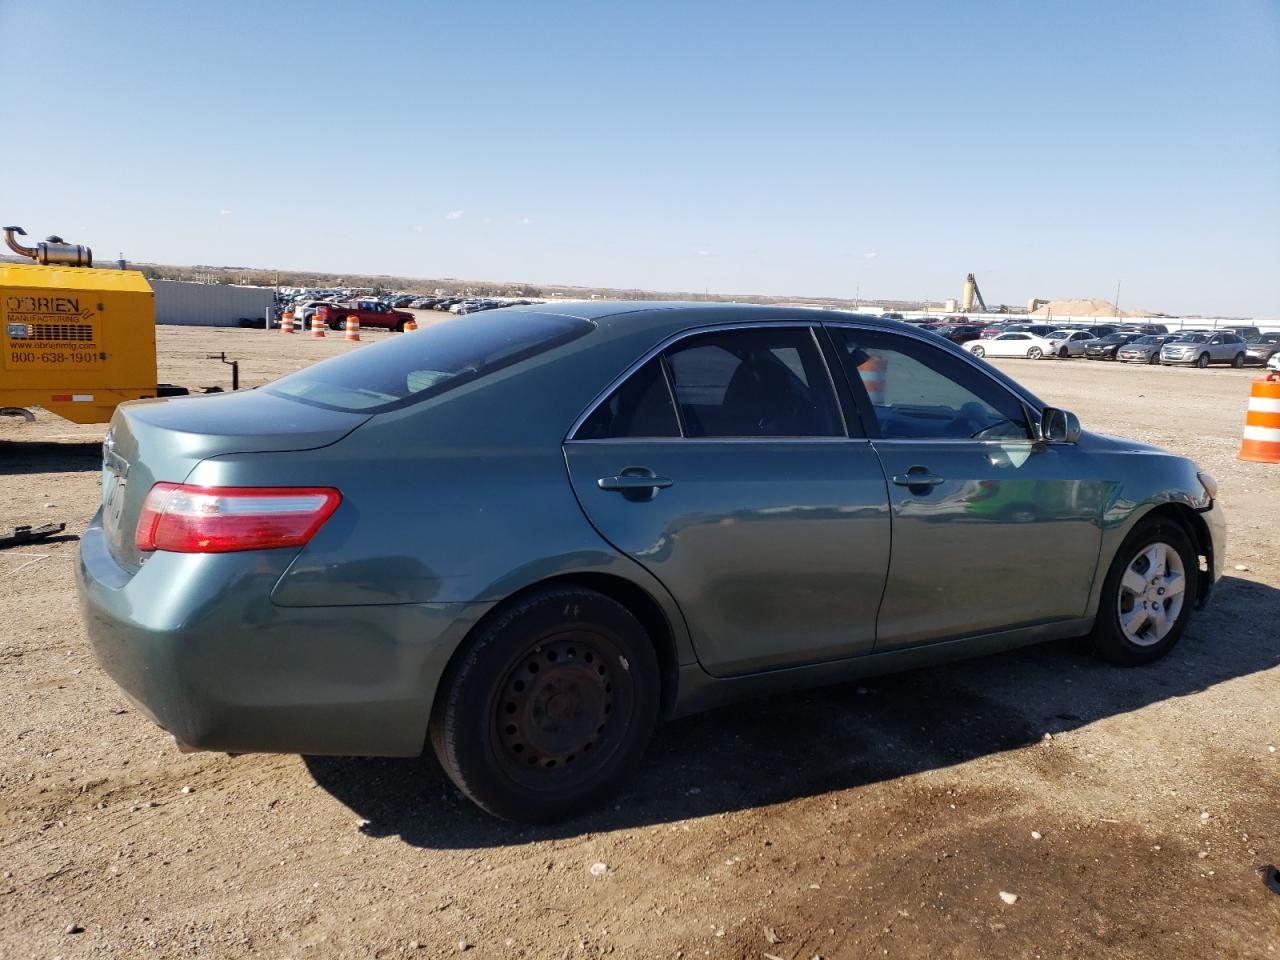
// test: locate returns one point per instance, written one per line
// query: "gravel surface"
(1038, 804)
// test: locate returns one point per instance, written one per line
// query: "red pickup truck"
(370, 313)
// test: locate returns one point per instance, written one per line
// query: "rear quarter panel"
(463, 498)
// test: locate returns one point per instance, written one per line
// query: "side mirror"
(1059, 426)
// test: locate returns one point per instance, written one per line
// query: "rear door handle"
(633, 482)
(918, 477)
(637, 484)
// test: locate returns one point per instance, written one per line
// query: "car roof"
(679, 314)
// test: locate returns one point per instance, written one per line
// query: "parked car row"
(333, 307)
(1131, 343)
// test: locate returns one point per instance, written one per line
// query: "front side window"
(918, 392)
(762, 382)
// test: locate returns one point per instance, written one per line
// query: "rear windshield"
(412, 367)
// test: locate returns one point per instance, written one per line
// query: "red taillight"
(187, 519)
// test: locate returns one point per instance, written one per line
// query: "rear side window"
(641, 407)
(412, 367)
(765, 382)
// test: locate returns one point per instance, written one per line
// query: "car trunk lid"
(152, 441)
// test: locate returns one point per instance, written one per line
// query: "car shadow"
(43, 456)
(768, 751)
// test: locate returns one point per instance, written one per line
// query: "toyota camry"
(526, 535)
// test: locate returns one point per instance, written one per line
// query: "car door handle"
(918, 477)
(630, 481)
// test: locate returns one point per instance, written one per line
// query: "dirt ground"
(1128, 810)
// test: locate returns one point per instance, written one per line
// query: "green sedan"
(526, 535)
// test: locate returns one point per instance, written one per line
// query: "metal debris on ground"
(29, 534)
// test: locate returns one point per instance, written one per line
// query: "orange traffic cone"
(1262, 423)
(872, 373)
(317, 328)
(286, 322)
(410, 326)
(353, 329)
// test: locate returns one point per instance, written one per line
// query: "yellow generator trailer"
(77, 340)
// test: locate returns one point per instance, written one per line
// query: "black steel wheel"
(548, 706)
(555, 708)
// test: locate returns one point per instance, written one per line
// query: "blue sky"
(788, 148)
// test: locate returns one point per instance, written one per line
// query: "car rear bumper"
(195, 642)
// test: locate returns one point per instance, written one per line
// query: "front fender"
(1144, 480)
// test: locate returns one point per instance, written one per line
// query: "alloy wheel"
(1152, 592)
(1035, 353)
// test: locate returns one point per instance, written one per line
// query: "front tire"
(1064, 354)
(1202, 361)
(548, 707)
(1147, 596)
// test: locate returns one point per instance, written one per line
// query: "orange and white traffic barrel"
(872, 373)
(410, 325)
(353, 329)
(1262, 423)
(317, 328)
(286, 322)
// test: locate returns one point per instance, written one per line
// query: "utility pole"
(1117, 298)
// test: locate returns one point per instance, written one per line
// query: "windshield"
(412, 367)
(1149, 339)
(1193, 338)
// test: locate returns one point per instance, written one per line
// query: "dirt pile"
(1083, 307)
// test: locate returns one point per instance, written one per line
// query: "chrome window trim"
(697, 331)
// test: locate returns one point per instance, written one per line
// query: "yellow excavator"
(77, 340)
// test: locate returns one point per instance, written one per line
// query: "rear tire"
(978, 351)
(1143, 611)
(1035, 353)
(548, 707)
